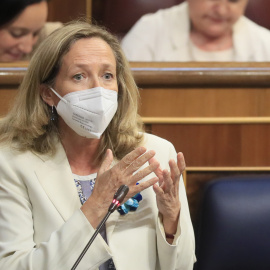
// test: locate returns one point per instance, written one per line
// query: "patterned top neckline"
(85, 185)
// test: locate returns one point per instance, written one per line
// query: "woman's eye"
(16, 34)
(78, 77)
(108, 76)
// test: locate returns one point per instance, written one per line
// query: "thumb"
(106, 163)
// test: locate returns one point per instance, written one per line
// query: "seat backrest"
(258, 11)
(234, 231)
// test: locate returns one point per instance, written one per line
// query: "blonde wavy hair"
(28, 126)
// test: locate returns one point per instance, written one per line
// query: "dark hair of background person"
(10, 9)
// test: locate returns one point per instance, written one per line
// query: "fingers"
(139, 161)
(144, 172)
(179, 168)
(168, 182)
(143, 185)
(175, 172)
(133, 161)
(124, 171)
(170, 179)
(158, 171)
(127, 160)
(181, 162)
(158, 190)
(167, 185)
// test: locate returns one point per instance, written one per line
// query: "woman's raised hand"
(167, 192)
(125, 172)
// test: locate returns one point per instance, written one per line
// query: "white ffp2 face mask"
(88, 112)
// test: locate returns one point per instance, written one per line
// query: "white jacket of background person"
(164, 36)
(43, 228)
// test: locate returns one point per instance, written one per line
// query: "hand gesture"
(167, 192)
(125, 172)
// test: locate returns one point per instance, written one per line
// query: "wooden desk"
(11, 75)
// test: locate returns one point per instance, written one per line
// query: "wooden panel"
(7, 96)
(11, 75)
(213, 90)
(202, 102)
(65, 11)
(205, 76)
(219, 144)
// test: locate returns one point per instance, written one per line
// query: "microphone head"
(121, 193)
(118, 197)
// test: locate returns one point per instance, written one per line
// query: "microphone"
(118, 198)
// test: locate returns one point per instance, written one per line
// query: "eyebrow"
(16, 28)
(85, 64)
(23, 29)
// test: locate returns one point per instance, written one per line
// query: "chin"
(10, 58)
(216, 33)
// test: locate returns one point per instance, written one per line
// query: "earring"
(54, 115)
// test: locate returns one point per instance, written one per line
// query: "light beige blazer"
(42, 226)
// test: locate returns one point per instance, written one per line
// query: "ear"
(46, 94)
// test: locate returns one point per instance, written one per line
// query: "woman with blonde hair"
(72, 138)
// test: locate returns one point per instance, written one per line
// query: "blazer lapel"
(55, 176)
(242, 41)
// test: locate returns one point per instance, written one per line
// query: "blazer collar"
(242, 41)
(180, 34)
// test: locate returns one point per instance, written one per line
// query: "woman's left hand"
(167, 193)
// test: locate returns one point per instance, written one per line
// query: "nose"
(95, 82)
(222, 7)
(27, 43)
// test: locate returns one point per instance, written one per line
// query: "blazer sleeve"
(181, 254)
(18, 249)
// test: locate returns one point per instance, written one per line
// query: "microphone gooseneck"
(117, 200)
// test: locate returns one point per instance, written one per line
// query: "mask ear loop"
(58, 95)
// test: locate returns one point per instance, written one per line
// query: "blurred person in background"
(198, 30)
(22, 26)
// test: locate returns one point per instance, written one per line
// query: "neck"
(81, 152)
(209, 43)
